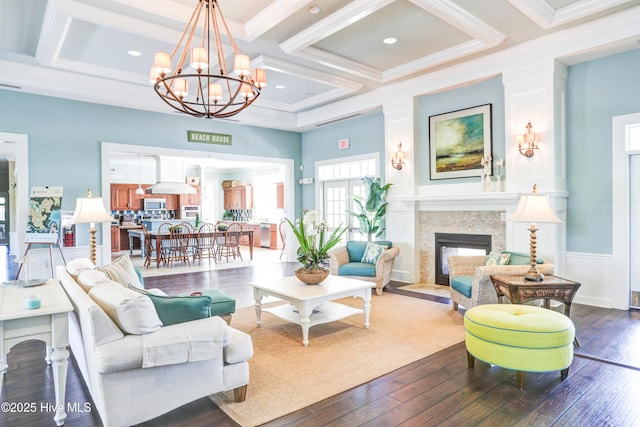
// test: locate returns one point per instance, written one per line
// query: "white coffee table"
(47, 323)
(311, 305)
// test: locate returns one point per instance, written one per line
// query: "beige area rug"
(286, 376)
(426, 288)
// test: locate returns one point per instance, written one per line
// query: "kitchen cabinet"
(115, 238)
(279, 195)
(244, 240)
(173, 201)
(238, 198)
(124, 197)
(275, 241)
(191, 199)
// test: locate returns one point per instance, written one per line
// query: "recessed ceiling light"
(390, 40)
(279, 86)
(134, 53)
(313, 9)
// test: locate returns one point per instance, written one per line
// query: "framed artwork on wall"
(458, 141)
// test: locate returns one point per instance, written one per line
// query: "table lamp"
(90, 210)
(534, 208)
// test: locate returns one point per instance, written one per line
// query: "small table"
(311, 305)
(49, 323)
(518, 291)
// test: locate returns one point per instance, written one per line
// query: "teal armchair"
(346, 260)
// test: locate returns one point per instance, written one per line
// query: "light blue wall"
(596, 92)
(365, 134)
(65, 136)
(487, 92)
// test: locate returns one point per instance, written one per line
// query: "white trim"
(21, 153)
(620, 210)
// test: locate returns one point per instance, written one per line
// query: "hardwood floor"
(602, 387)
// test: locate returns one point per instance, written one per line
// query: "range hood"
(170, 177)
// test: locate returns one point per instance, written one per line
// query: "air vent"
(338, 120)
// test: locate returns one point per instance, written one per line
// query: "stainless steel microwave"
(155, 204)
(189, 212)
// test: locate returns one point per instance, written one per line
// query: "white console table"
(49, 323)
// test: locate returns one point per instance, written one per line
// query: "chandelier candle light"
(215, 93)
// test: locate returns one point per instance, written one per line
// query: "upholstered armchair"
(470, 279)
(347, 260)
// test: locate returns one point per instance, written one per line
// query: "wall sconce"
(397, 157)
(528, 142)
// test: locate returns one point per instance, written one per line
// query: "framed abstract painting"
(458, 141)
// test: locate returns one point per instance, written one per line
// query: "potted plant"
(311, 232)
(372, 208)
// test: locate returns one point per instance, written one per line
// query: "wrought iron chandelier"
(215, 94)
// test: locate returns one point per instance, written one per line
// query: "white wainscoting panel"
(594, 271)
(40, 267)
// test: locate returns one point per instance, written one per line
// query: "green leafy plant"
(372, 208)
(311, 231)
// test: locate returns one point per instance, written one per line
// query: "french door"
(634, 229)
(338, 206)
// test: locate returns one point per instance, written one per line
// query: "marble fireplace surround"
(483, 213)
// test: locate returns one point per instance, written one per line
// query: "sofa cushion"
(122, 271)
(75, 266)
(87, 279)
(240, 347)
(357, 269)
(519, 258)
(372, 252)
(462, 284)
(179, 309)
(498, 258)
(133, 312)
(221, 303)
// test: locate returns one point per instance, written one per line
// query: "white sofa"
(111, 362)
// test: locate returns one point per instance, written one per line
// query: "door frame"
(620, 287)
(20, 155)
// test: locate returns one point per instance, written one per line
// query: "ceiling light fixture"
(314, 9)
(390, 40)
(215, 94)
(139, 190)
(134, 53)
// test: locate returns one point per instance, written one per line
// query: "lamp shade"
(534, 208)
(90, 210)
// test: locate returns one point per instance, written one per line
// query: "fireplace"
(447, 244)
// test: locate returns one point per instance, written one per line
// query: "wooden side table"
(519, 291)
(49, 323)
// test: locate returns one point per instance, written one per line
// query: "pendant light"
(139, 190)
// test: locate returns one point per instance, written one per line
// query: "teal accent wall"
(65, 138)
(487, 92)
(365, 134)
(597, 91)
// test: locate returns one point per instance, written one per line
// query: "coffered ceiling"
(315, 52)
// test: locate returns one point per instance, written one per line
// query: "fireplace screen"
(448, 244)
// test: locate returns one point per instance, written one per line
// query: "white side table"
(49, 323)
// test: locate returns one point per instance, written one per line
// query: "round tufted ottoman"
(520, 337)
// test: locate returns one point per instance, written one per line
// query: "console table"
(49, 323)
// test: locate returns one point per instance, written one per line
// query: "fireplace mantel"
(462, 202)
(489, 201)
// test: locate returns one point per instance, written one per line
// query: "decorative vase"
(311, 277)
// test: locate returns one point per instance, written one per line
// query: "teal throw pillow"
(179, 309)
(497, 258)
(372, 252)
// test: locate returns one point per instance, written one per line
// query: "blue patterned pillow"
(497, 258)
(372, 252)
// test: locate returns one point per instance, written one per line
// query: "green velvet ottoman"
(221, 304)
(519, 337)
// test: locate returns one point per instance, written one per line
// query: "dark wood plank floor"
(601, 390)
